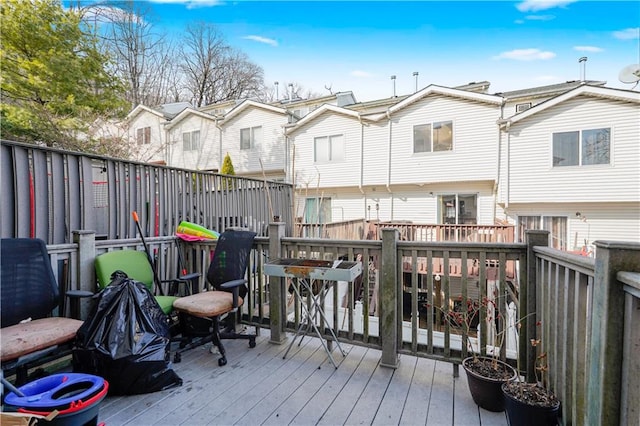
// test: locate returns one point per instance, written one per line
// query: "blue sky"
(358, 45)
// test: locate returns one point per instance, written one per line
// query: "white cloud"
(360, 73)
(537, 5)
(526, 55)
(627, 34)
(540, 17)
(587, 49)
(261, 39)
(192, 4)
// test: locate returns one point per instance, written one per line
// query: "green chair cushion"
(166, 303)
(136, 265)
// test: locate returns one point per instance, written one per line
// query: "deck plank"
(397, 393)
(258, 386)
(319, 401)
(416, 407)
(340, 408)
(441, 400)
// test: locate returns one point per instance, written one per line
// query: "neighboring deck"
(258, 387)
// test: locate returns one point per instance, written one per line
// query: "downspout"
(220, 158)
(496, 184)
(389, 163)
(361, 184)
(508, 167)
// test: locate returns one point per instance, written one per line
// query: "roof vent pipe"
(583, 61)
(393, 78)
(415, 74)
(276, 84)
(290, 92)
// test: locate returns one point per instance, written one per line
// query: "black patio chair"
(226, 274)
(33, 332)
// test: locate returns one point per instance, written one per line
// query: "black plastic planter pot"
(520, 413)
(485, 391)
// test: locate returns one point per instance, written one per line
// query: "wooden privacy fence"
(48, 193)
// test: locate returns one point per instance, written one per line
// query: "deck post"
(389, 299)
(86, 241)
(607, 330)
(526, 352)
(277, 304)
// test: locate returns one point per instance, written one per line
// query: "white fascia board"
(592, 91)
(140, 109)
(326, 108)
(187, 112)
(444, 91)
(252, 104)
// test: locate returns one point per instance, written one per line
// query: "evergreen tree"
(54, 79)
(227, 169)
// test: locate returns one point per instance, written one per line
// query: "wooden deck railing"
(586, 309)
(361, 229)
(586, 319)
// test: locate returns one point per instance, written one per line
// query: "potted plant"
(485, 373)
(531, 403)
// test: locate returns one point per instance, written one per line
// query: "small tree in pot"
(531, 404)
(485, 373)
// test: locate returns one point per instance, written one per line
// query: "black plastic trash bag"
(126, 340)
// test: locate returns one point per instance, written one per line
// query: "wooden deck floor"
(259, 387)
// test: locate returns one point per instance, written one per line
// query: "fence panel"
(49, 193)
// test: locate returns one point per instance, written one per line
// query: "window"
(191, 140)
(328, 149)
(250, 137)
(317, 210)
(581, 148)
(556, 225)
(433, 137)
(459, 209)
(143, 136)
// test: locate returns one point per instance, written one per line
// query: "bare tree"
(141, 56)
(202, 56)
(213, 70)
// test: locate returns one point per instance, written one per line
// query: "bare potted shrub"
(485, 373)
(531, 404)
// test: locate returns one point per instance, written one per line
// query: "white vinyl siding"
(147, 135)
(529, 176)
(333, 173)
(206, 156)
(269, 152)
(474, 156)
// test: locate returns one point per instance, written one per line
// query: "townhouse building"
(440, 156)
